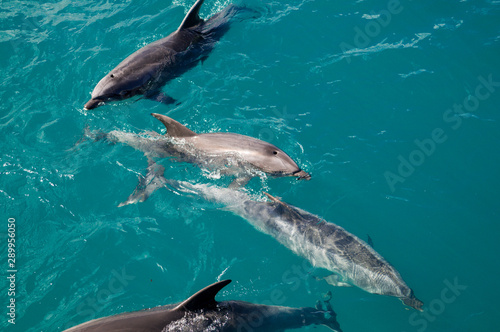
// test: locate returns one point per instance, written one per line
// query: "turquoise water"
(362, 94)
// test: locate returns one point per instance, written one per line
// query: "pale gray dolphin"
(231, 154)
(148, 69)
(201, 312)
(261, 155)
(323, 244)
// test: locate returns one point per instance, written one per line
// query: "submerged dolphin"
(323, 244)
(201, 313)
(148, 69)
(232, 154)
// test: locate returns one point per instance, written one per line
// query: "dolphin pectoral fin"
(192, 17)
(239, 182)
(335, 280)
(148, 184)
(369, 240)
(138, 195)
(161, 98)
(203, 59)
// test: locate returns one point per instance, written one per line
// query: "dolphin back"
(155, 319)
(260, 317)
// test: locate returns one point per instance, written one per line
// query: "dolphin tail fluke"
(322, 314)
(148, 184)
(87, 134)
(329, 316)
(192, 17)
(92, 135)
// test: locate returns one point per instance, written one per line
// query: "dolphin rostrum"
(232, 154)
(201, 312)
(145, 71)
(324, 244)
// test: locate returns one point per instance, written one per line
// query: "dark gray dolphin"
(324, 244)
(201, 312)
(148, 69)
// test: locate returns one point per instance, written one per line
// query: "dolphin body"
(201, 313)
(232, 154)
(324, 244)
(145, 71)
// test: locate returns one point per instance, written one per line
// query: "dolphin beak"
(302, 175)
(92, 103)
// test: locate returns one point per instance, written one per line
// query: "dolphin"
(232, 154)
(352, 261)
(201, 312)
(145, 71)
(218, 147)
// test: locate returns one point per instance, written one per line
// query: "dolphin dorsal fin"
(174, 128)
(192, 18)
(285, 206)
(204, 298)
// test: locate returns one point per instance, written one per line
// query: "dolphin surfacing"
(241, 156)
(201, 312)
(324, 244)
(145, 71)
(261, 155)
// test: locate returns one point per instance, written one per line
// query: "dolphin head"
(262, 155)
(115, 86)
(275, 161)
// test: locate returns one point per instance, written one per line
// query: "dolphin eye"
(112, 76)
(275, 152)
